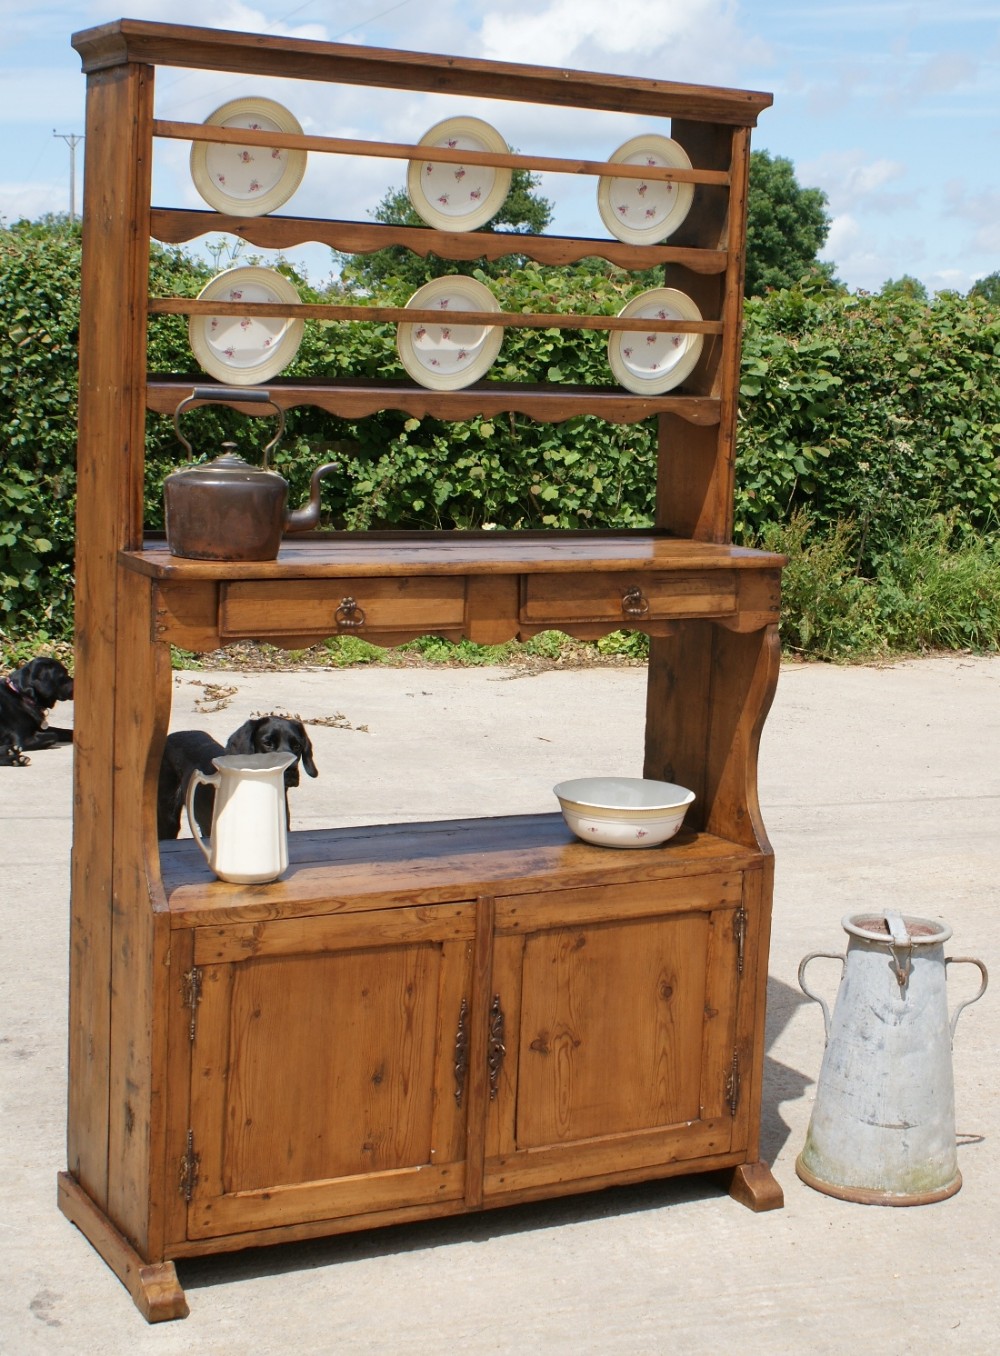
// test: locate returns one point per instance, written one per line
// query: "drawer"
(628, 599)
(261, 608)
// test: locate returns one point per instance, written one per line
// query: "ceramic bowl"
(623, 812)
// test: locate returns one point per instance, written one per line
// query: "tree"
(786, 226)
(988, 288)
(523, 212)
(905, 288)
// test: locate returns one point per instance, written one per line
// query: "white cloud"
(33, 200)
(672, 39)
(231, 15)
(849, 179)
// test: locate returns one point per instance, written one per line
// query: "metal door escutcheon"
(496, 1048)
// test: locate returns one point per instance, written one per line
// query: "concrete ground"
(879, 786)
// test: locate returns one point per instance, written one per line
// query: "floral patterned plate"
(650, 362)
(449, 355)
(248, 181)
(645, 211)
(455, 197)
(244, 350)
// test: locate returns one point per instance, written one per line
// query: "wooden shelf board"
(378, 554)
(177, 226)
(356, 399)
(348, 870)
(137, 40)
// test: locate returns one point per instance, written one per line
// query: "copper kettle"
(226, 509)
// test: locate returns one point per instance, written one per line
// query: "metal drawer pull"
(634, 603)
(348, 616)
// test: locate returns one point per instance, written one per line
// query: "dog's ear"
(241, 740)
(307, 755)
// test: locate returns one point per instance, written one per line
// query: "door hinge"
(740, 936)
(188, 1178)
(191, 997)
(733, 1084)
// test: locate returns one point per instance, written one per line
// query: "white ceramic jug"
(249, 842)
(882, 1130)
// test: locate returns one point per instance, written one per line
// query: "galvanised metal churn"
(882, 1130)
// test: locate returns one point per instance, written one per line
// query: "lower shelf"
(387, 865)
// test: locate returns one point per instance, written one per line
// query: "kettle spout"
(304, 519)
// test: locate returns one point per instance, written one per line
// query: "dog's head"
(276, 734)
(44, 681)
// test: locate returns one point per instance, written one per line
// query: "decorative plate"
(248, 181)
(454, 197)
(650, 362)
(644, 211)
(449, 356)
(245, 350)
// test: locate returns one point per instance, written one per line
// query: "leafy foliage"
(869, 429)
(988, 288)
(786, 226)
(39, 269)
(870, 409)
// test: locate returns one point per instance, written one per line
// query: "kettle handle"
(244, 395)
(199, 778)
(825, 955)
(967, 960)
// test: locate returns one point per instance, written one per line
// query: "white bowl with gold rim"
(623, 812)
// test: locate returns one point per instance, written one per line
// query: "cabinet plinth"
(425, 1019)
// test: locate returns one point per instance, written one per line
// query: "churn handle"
(967, 960)
(824, 955)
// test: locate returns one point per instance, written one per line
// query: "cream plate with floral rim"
(247, 180)
(447, 355)
(650, 362)
(453, 196)
(645, 211)
(245, 350)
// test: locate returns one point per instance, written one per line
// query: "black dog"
(186, 750)
(25, 697)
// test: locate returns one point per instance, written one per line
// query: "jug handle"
(967, 960)
(824, 955)
(199, 778)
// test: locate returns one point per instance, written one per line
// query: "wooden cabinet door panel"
(620, 1046)
(609, 1015)
(323, 1084)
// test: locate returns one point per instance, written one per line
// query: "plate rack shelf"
(429, 1019)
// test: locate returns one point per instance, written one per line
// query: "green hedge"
(860, 408)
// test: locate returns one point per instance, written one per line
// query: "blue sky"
(892, 107)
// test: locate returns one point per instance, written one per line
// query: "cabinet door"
(616, 1008)
(323, 1067)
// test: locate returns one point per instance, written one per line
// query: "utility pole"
(72, 141)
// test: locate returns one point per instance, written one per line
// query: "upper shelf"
(176, 226)
(357, 398)
(136, 40)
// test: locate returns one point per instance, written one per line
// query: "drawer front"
(258, 608)
(628, 599)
